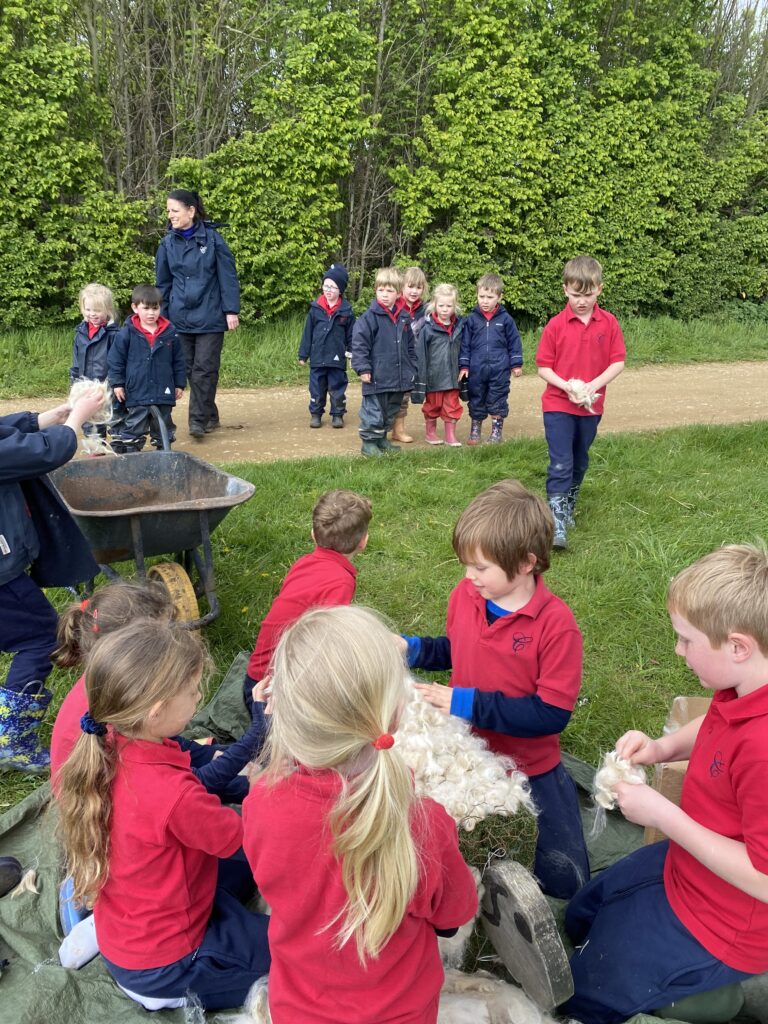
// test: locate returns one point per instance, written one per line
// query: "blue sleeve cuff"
(414, 649)
(462, 701)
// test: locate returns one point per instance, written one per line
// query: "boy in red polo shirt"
(515, 652)
(690, 914)
(326, 577)
(580, 352)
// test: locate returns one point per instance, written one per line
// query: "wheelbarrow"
(151, 503)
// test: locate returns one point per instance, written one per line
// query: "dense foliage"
(507, 135)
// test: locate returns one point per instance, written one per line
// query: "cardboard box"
(668, 776)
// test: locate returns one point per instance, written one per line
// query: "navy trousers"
(377, 414)
(28, 624)
(568, 439)
(633, 955)
(233, 954)
(488, 393)
(202, 355)
(561, 865)
(322, 381)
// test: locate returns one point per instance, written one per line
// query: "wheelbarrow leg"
(205, 569)
(138, 546)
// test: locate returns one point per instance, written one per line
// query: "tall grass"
(36, 362)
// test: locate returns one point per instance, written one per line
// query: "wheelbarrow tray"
(166, 490)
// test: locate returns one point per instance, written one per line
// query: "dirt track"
(273, 423)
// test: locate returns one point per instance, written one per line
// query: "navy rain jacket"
(384, 349)
(149, 374)
(493, 345)
(198, 279)
(325, 339)
(89, 355)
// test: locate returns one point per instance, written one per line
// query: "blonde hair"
(338, 683)
(505, 523)
(100, 297)
(340, 520)
(127, 674)
(391, 277)
(725, 592)
(492, 282)
(414, 277)
(444, 289)
(86, 622)
(583, 274)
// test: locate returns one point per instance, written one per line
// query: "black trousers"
(202, 354)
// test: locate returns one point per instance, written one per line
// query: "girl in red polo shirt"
(359, 874)
(145, 843)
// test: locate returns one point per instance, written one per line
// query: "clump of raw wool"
(28, 883)
(582, 394)
(455, 767)
(95, 444)
(612, 771)
(104, 413)
(478, 998)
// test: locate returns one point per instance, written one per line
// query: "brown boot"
(398, 431)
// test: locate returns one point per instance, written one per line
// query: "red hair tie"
(83, 605)
(384, 742)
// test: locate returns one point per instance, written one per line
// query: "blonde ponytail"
(338, 684)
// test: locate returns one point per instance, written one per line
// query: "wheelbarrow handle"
(154, 411)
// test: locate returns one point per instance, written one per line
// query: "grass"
(652, 504)
(36, 362)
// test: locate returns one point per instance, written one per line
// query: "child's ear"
(155, 711)
(312, 535)
(529, 564)
(599, 289)
(362, 545)
(741, 646)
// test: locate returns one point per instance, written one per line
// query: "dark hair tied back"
(183, 195)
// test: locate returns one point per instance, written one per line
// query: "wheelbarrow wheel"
(179, 586)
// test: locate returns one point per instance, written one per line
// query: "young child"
(85, 624)
(325, 341)
(582, 343)
(93, 339)
(490, 350)
(437, 359)
(412, 301)
(691, 914)
(516, 655)
(36, 533)
(146, 367)
(360, 875)
(383, 357)
(325, 577)
(142, 837)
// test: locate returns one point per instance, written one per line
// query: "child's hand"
(179, 392)
(365, 378)
(636, 747)
(262, 694)
(642, 804)
(463, 373)
(119, 394)
(436, 695)
(87, 404)
(517, 371)
(302, 362)
(53, 417)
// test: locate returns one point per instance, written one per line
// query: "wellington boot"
(371, 448)
(559, 505)
(475, 431)
(450, 434)
(387, 447)
(20, 716)
(572, 495)
(430, 432)
(497, 425)
(398, 431)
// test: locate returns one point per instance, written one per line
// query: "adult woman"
(195, 271)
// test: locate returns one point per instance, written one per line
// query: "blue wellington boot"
(20, 716)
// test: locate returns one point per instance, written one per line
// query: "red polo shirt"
(581, 351)
(535, 650)
(296, 872)
(166, 837)
(66, 728)
(724, 790)
(324, 578)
